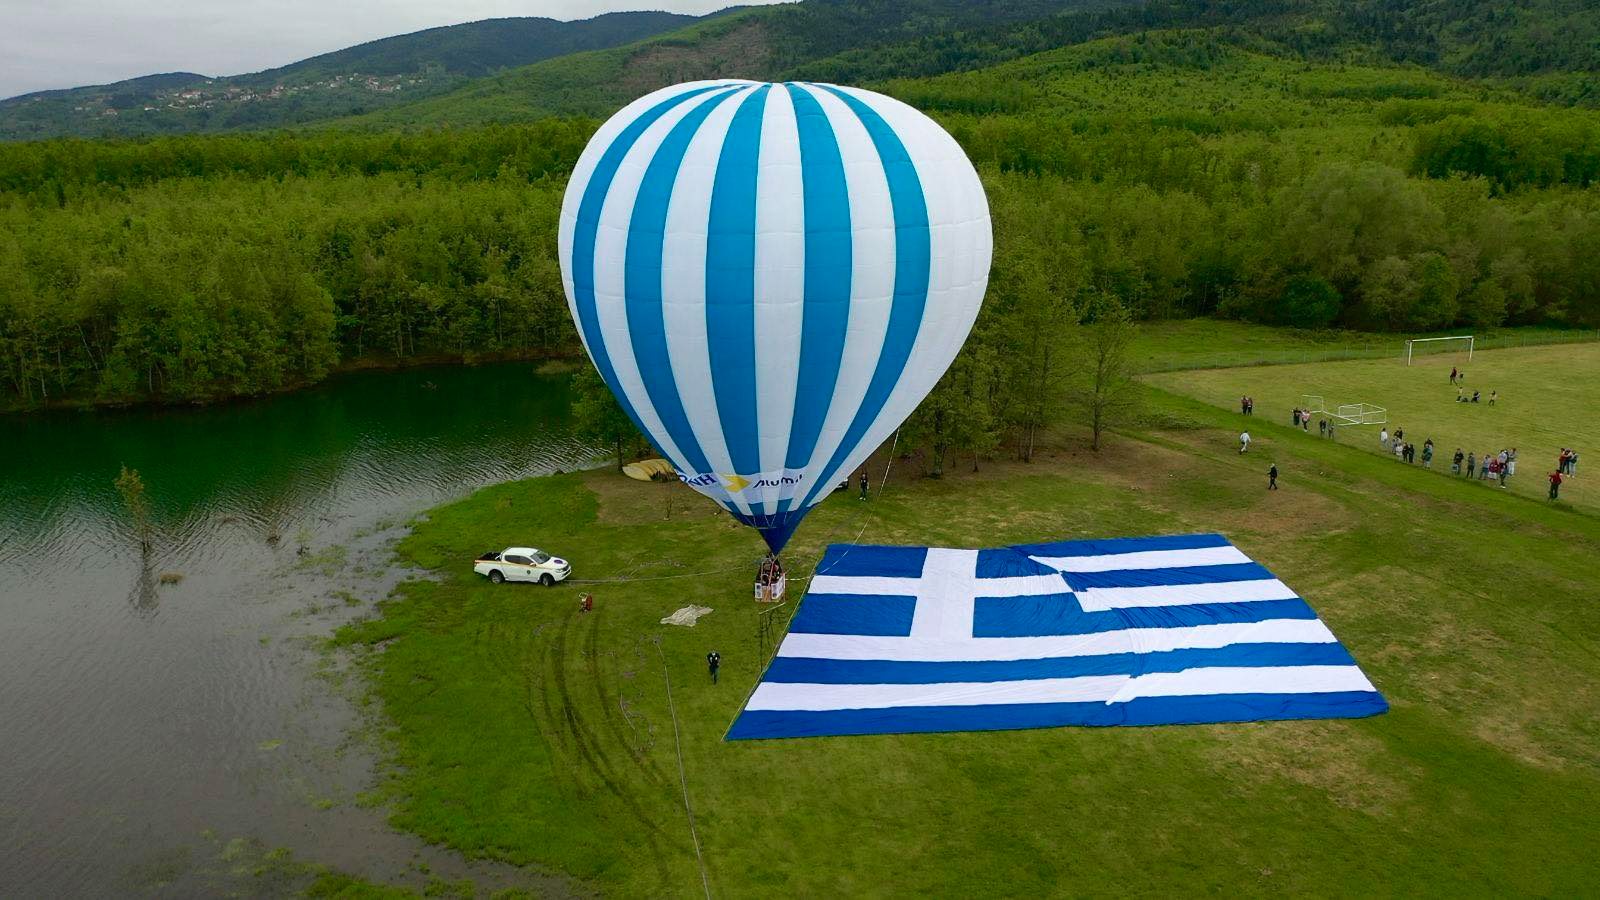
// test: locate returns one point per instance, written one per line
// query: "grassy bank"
(1546, 402)
(527, 731)
(1185, 344)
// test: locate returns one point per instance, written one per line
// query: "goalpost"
(1411, 344)
(1344, 415)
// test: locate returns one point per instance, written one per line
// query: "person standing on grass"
(864, 483)
(1511, 461)
(1572, 463)
(713, 663)
(1452, 374)
(1272, 477)
(1459, 398)
(1472, 464)
(1427, 454)
(1492, 396)
(1383, 438)
(1502, 475)
(1305, 421)
(1322, 427)
(1244, 442)
(1555, 485)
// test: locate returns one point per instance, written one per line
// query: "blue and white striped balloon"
(770, 278)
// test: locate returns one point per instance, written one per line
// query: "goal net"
(1360, 414)
(1424, 346)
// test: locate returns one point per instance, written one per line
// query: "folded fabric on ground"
(1128, 631)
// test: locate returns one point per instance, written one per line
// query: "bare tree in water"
(130, 487)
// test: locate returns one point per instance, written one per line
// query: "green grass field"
(1548, 400)
(523, 730)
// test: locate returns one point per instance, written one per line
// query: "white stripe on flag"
(1263, 680)
(1131, 640)
(1146, 559)
(1088, 689)
(1101, 599)
(880, 585)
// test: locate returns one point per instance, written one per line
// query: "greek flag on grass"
(1130, 631)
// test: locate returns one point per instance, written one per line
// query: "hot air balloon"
(770, 278)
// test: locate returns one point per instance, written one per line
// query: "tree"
(1309, 302)
(130, 487)
(598, 415)
(1107, 394)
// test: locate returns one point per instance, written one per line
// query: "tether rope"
(683, 776)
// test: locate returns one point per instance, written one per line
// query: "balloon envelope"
(770, 278)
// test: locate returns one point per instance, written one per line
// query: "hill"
(345, 82)
(1549, 48)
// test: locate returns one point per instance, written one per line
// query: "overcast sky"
(67, 43)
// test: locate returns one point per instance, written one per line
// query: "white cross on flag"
(1129, 631)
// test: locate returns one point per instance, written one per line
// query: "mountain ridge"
(351, 80)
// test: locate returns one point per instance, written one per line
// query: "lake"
(168, 720)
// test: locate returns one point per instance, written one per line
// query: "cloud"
(66, 43)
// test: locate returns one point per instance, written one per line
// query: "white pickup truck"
(522, 564)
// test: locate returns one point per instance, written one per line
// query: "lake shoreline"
(548, 364)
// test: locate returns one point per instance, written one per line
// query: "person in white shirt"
(1244, 441)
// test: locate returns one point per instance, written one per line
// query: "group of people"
(1247, 405)
(1458, 377)
(770, 583)
(1567, 462)
(1404, 451)
(1566, 467)
(1496, 466)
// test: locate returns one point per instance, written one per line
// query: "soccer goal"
(1312, 403)
(1411, 345)
(1360, 414)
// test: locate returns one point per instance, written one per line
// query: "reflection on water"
(147, 699)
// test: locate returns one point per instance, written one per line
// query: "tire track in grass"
(595, 760)
(612, 712)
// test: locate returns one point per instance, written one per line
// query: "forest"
(1164, 174)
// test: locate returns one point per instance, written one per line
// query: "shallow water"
(166, 719)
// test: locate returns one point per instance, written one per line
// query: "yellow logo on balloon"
(736, 483)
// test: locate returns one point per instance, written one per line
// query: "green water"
(156, 704)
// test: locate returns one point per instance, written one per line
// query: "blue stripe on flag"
(583, 241)
(1005, 563)
(646, 236)
(828, 269)
(881, 562)
(912, 264)
(1124, 545)
(809, 670)
(758, 724)
(876, 614)
(1173, 576)
(1055, 614)
(731, 283)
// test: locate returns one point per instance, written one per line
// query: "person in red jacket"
(1555, 484)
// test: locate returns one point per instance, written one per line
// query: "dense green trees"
(1169, 174)
(193, 289)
